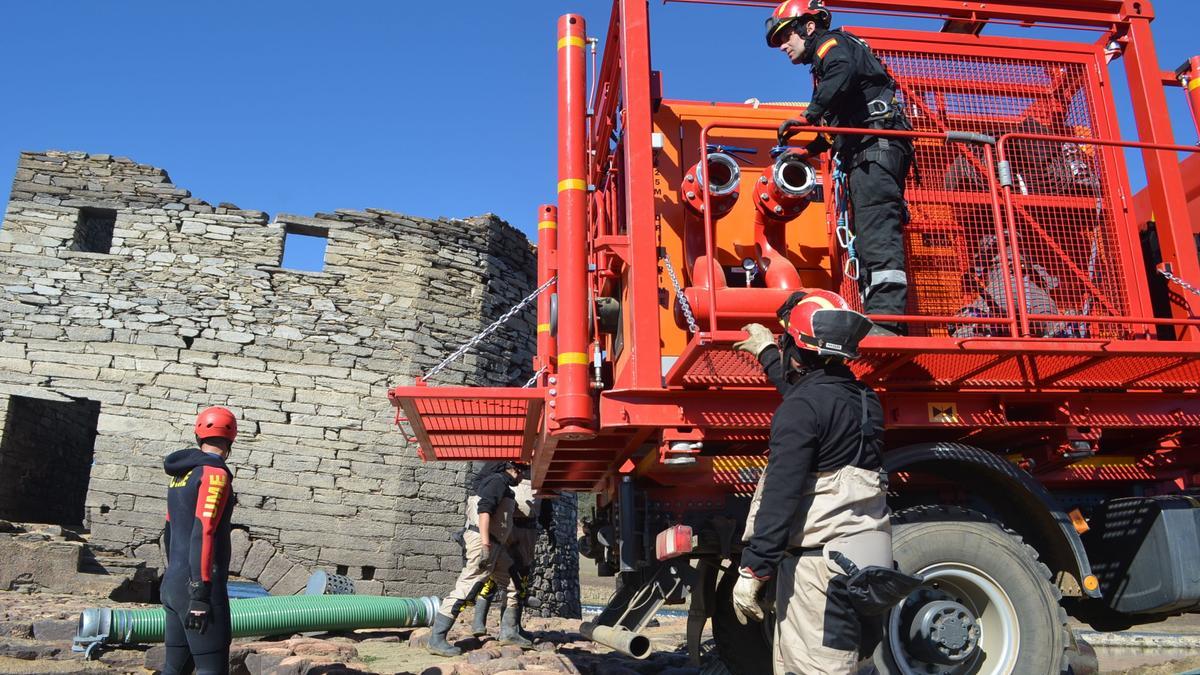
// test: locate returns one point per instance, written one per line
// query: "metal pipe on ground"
(625, 641)
(271, 615)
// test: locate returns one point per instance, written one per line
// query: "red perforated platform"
(715, 366)
(469, 423)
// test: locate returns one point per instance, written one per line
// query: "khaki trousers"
(815, 634)
(521, 543)
(817, 630)
(473, 575)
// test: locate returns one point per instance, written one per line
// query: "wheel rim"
(985, 599)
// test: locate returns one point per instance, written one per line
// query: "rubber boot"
(479, 623)
(510, 627)
(437, 637)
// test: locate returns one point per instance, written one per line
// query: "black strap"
(799, 552)
(864, 427)
(475, 528)
(845, 563)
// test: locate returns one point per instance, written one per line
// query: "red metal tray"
(470, 423)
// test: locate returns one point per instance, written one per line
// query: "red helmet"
(216, 422)
(823, 322)
(795, 10)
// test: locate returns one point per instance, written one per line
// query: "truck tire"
(745, 650)
(1019, 626)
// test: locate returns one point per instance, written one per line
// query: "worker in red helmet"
(199, 506)
(819, 516)
(852, 88)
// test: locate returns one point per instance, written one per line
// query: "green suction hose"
(271, 615)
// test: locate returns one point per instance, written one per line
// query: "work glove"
(760, 338)
(485, 558)
(785, 130)
(199, 614)
(745, 596)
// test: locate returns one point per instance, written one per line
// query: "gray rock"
(258, 557)
(55, 630)
(239, 547)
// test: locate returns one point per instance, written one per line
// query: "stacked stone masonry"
(188, 307)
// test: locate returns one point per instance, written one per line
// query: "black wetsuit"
(199, 505)
(849, 82)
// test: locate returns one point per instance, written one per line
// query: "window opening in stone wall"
(46, 459)
(94, 230)
(304, 248)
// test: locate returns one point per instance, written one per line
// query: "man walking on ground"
(489, 523)
(530, 515)
(200, 502)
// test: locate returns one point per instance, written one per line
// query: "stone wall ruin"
(123, 294)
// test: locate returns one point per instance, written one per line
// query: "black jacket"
(847, 76)
(199, 508)
(492, 487)
(817, 428)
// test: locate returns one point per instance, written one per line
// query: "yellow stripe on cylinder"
(572, 358)
(572, 184)
(543, 328)
(570, 41)
(1193, 83)
(548, 225)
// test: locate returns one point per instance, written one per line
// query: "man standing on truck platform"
(851, 88)
(489, 523)
(200, 502)
(530, 515)
(823, 493)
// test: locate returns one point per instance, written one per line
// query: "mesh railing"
(1063, 220)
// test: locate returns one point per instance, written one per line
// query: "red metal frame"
(1027, 392)
(1096, 14)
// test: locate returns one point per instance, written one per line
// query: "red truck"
(1043, 416)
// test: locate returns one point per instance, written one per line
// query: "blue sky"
(432, 109)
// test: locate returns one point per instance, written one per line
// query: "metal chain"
(683, 303)
(534, 379)
(1186, 286)
(490, 329)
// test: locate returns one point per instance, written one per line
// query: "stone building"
(127, 305)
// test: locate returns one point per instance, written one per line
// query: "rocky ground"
(38, 622)
(36, 631)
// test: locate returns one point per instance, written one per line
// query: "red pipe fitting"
(724, 176)
(783, 189)
(547, 346)
(571, 410)
(780, 194)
